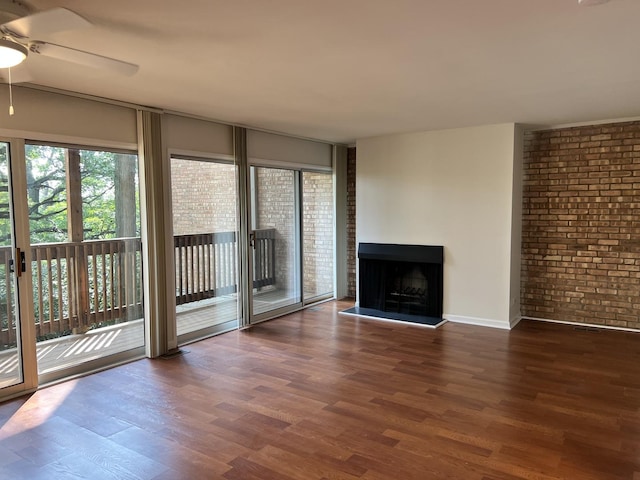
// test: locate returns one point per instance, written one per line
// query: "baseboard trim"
(515, 321)
(580, 324)
(482, 322)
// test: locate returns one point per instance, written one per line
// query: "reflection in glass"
(10, 355)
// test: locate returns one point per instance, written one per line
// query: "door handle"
(21, 263)
(252, 239)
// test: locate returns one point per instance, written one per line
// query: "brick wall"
(203, 196)
(276, 203)
(317, 234)
(581, 225)
(351, 221)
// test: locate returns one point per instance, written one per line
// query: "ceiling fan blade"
(84, 58)
(45, 23)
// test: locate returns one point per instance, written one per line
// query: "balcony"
(88, 295)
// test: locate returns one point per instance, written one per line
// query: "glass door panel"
(86, 257)
(317, 235)
(11, 364)
(205, 246)
(275, 240)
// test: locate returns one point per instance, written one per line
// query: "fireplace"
(401, 282)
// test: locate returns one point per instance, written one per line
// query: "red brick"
(581, 211)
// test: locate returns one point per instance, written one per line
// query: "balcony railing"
(206, 264)
(79, 286)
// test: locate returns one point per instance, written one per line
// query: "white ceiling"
(339, 70)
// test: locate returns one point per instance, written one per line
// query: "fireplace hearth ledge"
(373, 314)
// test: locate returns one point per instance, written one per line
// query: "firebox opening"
(407, 290)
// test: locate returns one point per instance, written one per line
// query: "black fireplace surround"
(401, 282)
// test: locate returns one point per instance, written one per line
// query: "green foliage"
(46, 193)
(6, 307)
(100, 175)
(5, 221)
(103, 175)
(98, 170)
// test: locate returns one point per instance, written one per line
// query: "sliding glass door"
(291, 239)
(275, 241)
(317, 235)
(11, 338)
(205, 246)
(71, 262)
(86, 257)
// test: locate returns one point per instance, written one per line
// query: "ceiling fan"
(19, 29)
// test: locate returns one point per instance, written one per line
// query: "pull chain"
(11, 111)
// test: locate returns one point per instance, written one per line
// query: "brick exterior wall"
(317, 234)
(351, 221)
(203, 197)
(275, 202)
(581, 225)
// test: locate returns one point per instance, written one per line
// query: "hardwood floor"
(315, 395)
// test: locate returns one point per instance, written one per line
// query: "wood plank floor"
(315, 395)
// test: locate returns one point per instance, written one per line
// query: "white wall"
(451, 188)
